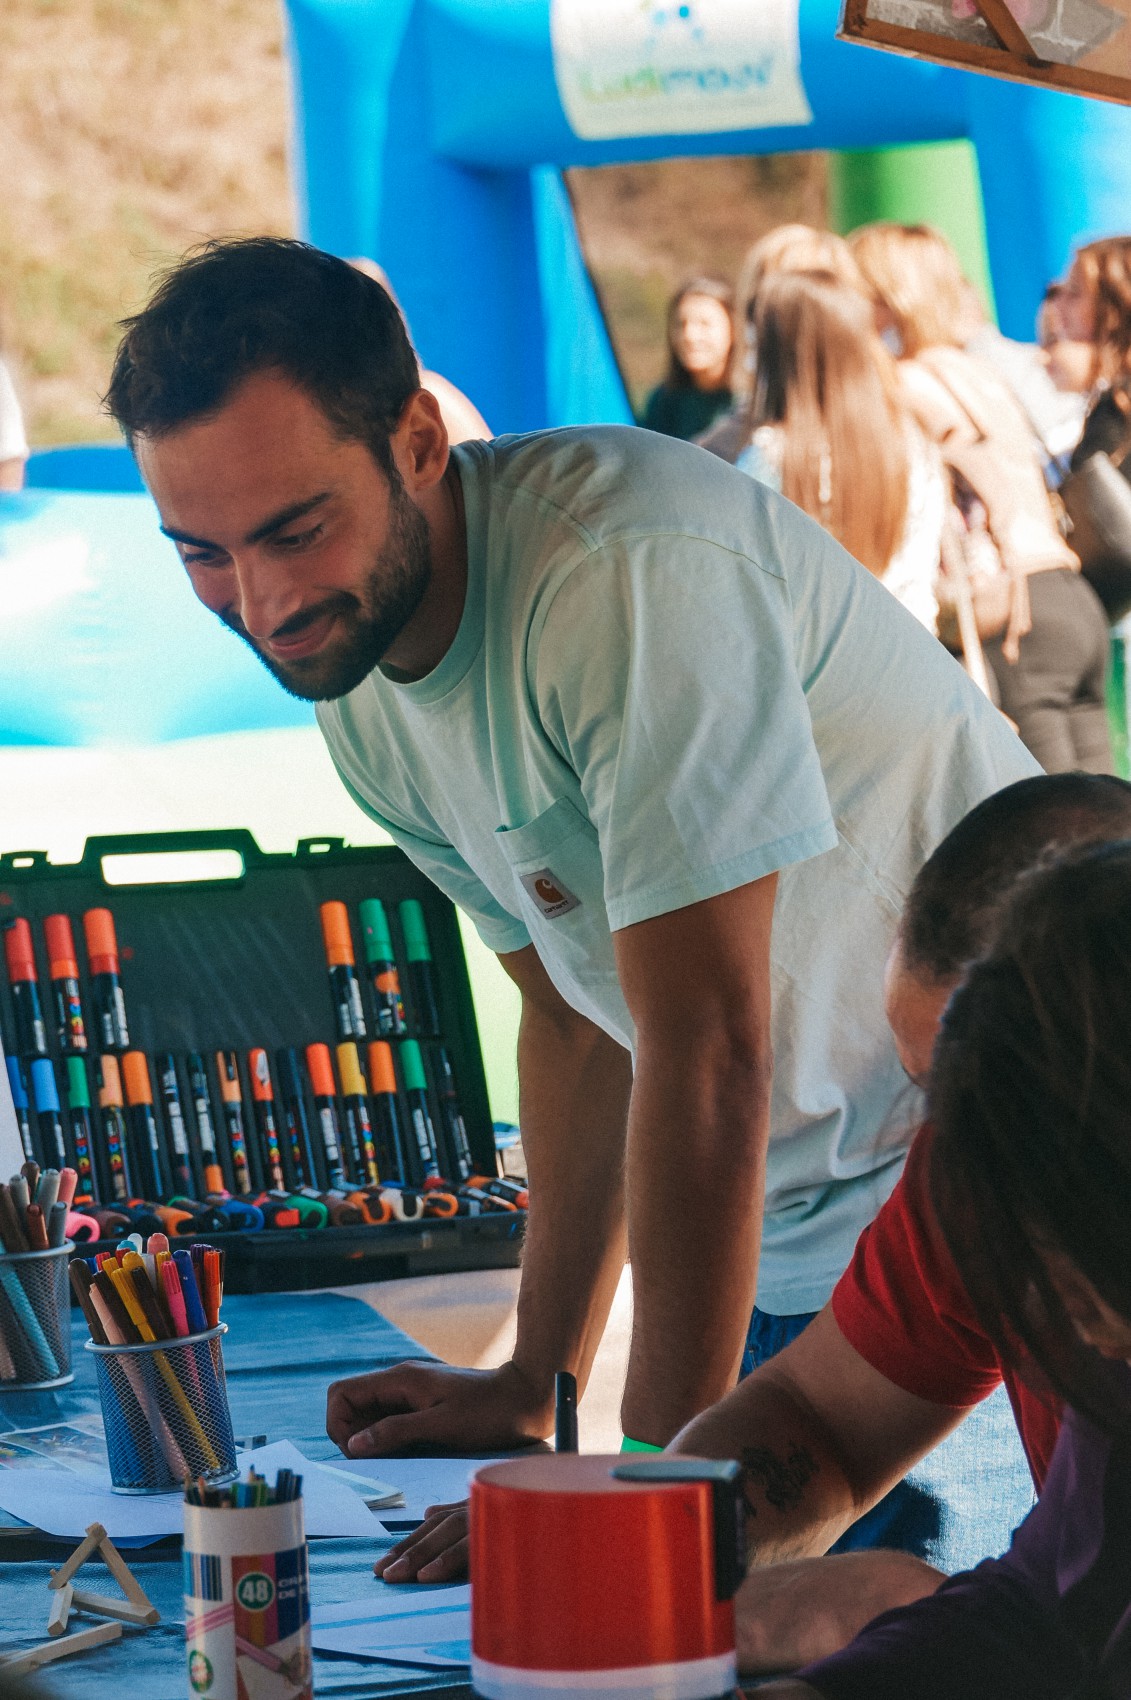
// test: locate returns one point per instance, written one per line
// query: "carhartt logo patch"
(548, 892)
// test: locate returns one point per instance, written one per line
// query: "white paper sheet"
(63, 1504)
(423, 1481)
(411, 1624)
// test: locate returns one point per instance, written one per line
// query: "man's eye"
(299, 539)
(203, 558)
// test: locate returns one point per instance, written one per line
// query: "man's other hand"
(788, 1615)
(432, 1407)
(436, 1552)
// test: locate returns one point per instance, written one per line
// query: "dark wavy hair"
(1030, 1097)
(233, 308)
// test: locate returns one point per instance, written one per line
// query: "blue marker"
(48, 1112)
(20, 1105)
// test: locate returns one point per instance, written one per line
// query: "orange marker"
(228, 1070)
(105, 969)
(345, 987)
(143, 1126)
(63, 971)
(321, 1072)
(263, 1097)
(392, 1158)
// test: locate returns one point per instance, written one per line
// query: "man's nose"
(265, 596)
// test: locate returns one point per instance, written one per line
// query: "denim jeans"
(961, 1503)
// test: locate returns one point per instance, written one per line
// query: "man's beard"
(369, 623)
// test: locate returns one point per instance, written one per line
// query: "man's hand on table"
(789, 1615)
(435, 1408)
(436, 1552)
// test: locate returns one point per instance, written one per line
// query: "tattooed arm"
(821, 1437)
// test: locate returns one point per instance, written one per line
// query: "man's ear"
(419, 443)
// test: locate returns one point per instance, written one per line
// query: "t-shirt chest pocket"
(556, 863)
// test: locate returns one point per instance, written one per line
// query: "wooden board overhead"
(1081, 46)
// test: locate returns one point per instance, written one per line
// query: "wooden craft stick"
(106, 1605)
(19, 1664)
(1008, 31)
(60, 1610)
(95, 1535)
(123, 1575)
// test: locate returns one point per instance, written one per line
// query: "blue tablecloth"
(281, 1351)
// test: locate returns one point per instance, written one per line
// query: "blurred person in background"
(827, 427)
(786, 248)
(462, 418)
(697, 387)
(13, 440)
(1044, 630)
(1056, 417)
(1091, 311)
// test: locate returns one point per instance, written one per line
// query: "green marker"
(384, 981)
(416, 1092)
(82, 1127)
(421, 974)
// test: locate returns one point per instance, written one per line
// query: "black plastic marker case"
(237, 961)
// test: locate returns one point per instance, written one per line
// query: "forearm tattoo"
(781, 1482)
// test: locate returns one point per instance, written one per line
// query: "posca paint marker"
(143, 1125)
(421, 972)
(111, 1103)
(20, 1105)
(295, 1118)
(228, 1070)
(63, 971)
(105, 980)
(48, 1112)
(392, 1148)
(184, 1178)
(321, 1072)
(455, 1128)
(205, 1126)
(82, 1127)
(19, 954)
(416, 1095)
(345, 988)
(263, 1100)
(359, 1127)
(381, 966)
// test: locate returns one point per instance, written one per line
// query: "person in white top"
(828, 429)
(13, 441)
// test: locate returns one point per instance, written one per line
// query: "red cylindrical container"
(593, 1573)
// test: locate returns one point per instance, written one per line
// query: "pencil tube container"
(165, 1411)
(247, 1603)
(605, 1576)
(35, 1319)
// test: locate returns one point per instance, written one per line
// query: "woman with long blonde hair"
(827, 427)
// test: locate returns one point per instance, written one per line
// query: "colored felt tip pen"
(20, 1105)
(345, 987)
(63, 971)
(392, 1146)
(381, 965)
(263, 1098)
(295, 1118)
(416, 1095)
(110, 1106)
(205, 1126)
(359, 1128)
(321, 1071)
(31, 1031)
(105, 980)
(82, 1127)
(421, 971)
(142, 1119)
(48, 1112)
(230, 1096)
(455, 1128)
(184, 1180)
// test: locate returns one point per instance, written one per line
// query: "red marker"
(31, 1033)
(63, 970)
(105, 970)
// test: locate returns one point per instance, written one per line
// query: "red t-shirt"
(901, 1305)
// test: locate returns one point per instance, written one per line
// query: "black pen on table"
(565, 1412)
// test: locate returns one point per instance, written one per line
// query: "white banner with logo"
(668, 67)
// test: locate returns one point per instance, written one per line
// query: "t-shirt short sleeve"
(446, 868)
(665, 672)
(902, 1305)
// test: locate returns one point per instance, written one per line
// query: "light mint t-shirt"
(667, 682)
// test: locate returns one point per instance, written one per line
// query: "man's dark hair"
(953, 905)
(1031, 1153)
(262, 304)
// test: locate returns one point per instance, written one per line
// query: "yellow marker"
(122, 1279)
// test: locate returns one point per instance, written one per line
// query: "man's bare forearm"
(574, 1085)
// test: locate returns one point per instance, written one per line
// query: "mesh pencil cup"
(165, 1411)
(35, 1319)
(247, 1602)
